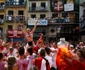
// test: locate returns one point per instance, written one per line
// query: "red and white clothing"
(22, 64)
(38, 62)
(5, 51)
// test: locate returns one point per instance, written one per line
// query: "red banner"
(58, 6)
(15, 34)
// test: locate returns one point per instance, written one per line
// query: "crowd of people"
(61, 55)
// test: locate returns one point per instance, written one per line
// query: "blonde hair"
(28, 29)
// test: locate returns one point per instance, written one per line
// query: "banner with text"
(40, 22)
(15, 34)
(68, 7)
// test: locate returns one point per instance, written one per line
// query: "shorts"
(30, 43)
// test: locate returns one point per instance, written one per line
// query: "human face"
(28, 30)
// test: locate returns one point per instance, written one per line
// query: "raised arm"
(33, 30)
(22, 31)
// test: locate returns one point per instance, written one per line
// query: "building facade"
(2, 17)
(65, 19)
(57, 18)
(39, 10)
(82, 20)
(15, 14)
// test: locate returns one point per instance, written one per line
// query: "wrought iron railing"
(14, 3)
(38, 8)
(20, 18)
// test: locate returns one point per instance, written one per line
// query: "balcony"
(38, 9)
(82, 24)
(15, 4)
(2, 7)
(59, 20)
(38, 0)
(1, 21)
(9, 18)
(20, 18)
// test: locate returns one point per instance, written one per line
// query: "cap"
(11, 48)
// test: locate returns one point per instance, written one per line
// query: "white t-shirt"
(43, 65)
(30, 59)
(53, 54)
(49, 58)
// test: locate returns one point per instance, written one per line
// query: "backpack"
(47, 64)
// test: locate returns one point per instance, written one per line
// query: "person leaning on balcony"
(29, 34)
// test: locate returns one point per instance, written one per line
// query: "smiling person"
(29, 34)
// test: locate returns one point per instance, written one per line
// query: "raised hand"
(36, 21)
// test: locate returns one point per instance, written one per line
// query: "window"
(20, 12)
(33, 16)
(21, 1)
(1, 16)
(42, 16)
(1, 31)
(64, 14)
(54, 15)
(77, 17)
(33, 4)
(2, 4)
(64, 1)
(10, 27)
(10, 12)
(43, 4)
(84, 12)
(54, 2)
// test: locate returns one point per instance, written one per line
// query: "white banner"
(68, 7)
(40, 22)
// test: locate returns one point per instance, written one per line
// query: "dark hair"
(11, 62)
(30, 50)
(42, 52)
(82, 52)
(1, 56)
(47, 50)
(21, 51)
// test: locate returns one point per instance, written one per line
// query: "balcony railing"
(2, 7)
(1, 21)
(82, 23)
(60, 20)
(20, 18)
(38, 9)
(14, 3)
(9, 18)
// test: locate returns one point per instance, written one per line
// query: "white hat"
(62, 42)
(62, 39)
(71, 46)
